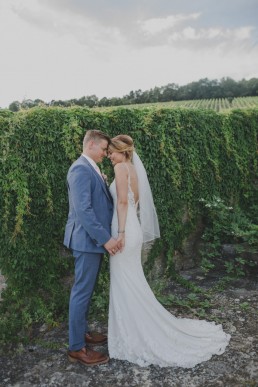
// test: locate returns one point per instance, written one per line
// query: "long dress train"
(140, 329)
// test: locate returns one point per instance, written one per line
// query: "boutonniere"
(104, 178)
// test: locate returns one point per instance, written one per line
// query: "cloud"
(62, 49)
(65, 23)
(157, 25)
(204, 38)
(98, 27)
(183, 32)
(231, 13)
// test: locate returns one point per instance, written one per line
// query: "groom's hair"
(95, 135)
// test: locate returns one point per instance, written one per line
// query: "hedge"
(188, 154)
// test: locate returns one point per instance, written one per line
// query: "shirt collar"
(92, 162)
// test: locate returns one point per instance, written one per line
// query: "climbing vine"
(188, 154)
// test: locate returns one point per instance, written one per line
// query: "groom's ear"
(90, 144)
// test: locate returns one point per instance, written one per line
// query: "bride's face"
(116, 157)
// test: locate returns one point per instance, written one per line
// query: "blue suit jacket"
(88, 226)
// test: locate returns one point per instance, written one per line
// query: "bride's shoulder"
(120, 167)
(121, 172)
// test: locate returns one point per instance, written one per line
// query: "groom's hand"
(111, 246)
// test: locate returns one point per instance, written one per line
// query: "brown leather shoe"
(95, 338)
(87, 357)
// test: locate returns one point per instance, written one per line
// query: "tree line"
(203, 89)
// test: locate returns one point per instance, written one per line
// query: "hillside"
(218, 104)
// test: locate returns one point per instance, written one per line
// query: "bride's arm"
(122, 201)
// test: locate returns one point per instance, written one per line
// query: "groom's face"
(99, 150)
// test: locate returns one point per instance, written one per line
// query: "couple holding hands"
(119, 219)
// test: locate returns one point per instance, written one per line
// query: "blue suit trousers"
(87, 266)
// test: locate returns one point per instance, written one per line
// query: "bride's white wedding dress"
(140, 329)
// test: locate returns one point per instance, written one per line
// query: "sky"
(64, 49)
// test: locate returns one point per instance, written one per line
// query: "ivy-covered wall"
(188, 154)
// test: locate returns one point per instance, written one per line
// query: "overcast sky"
(63, 49)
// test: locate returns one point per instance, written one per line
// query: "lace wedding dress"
(140, 330)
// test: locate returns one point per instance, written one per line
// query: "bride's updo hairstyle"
(122, 144)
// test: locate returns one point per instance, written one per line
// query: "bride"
(140, 330)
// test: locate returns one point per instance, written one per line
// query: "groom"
(88, 235)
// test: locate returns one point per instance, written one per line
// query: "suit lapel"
(104, 186)
(107, 191)
(103, 183)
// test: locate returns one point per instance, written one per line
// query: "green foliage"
(244, 305)
(20, 311)
(100, 298)
(228, 225)
(188, 154)
(197, 300)
(5, 113)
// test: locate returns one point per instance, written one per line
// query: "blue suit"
(88, 228)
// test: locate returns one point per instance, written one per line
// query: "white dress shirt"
(92, 162)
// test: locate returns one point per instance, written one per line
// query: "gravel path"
(43, 362)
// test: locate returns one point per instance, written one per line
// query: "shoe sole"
(73, 360)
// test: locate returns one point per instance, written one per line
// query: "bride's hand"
(121, 242)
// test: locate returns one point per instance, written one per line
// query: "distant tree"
(104, 102)
(60, 103)
(155, 95)
(39, 102)
(245, 87)
(28, 104)
(202, 89)
(216, 91)
(253, 86)
(230, 87)
(15, 106)
(139, 96)
(91, 100)
(169, 92)
(115, 101)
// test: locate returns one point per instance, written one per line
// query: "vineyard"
(218, 104)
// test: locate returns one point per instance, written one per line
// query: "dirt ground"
(43, 362)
